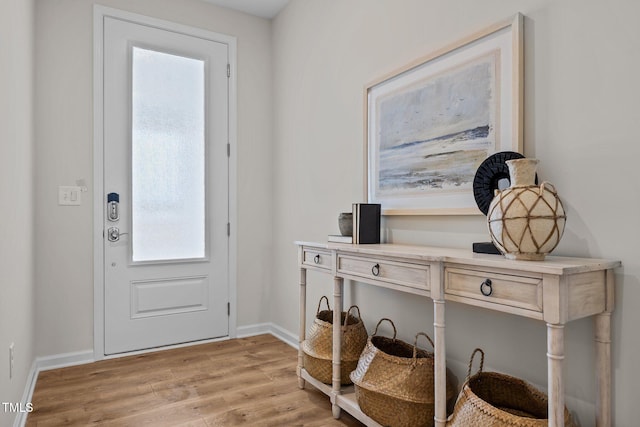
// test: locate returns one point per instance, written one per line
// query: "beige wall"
(16, 198)
(301, 165)
(582, 59)
(64, 135)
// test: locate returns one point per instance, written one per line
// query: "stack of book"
(366, 225)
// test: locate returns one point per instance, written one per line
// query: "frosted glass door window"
(168, 156)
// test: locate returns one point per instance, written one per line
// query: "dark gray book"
(366, 223)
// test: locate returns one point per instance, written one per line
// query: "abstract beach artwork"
(430, 127)
(433, 137)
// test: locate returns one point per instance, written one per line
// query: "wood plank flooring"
(243, 382)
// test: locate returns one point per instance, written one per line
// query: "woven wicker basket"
(394, 381)
(318, 347)
(490, 399)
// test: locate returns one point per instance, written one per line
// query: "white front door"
(166, 201)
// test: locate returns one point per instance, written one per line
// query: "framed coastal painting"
(431, 124)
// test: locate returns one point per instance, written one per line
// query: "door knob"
(113, 234)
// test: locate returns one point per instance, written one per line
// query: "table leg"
(302, 330)
(337, 343)
(603, 369)
(555, 374)
(440, 368)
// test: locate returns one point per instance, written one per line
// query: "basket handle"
(392, 325)
(346, 317)
(324, 297)
(415, 347)
(415, 343)
(473, 355)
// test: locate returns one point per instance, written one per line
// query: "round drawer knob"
(316, 259)
(375, 270)
(486, 288)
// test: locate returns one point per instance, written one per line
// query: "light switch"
(69, 195)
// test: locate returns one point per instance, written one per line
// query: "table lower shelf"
(346, 400)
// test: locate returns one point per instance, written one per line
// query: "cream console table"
(555, 291)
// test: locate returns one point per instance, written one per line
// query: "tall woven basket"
(394, 381)
(318, 347)
(490, 399)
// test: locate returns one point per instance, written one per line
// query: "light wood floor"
(242, 382)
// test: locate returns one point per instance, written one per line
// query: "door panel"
(165, 155)
(168, 296)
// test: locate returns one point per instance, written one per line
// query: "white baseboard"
(268, 328)
(285, 335)
(63, 360)
(30, 385)
(252, 330)
(44, 364)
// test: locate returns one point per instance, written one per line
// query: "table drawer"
(495, 288)
(398, 273)
(316, 258)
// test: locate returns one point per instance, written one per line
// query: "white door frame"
(99, 13)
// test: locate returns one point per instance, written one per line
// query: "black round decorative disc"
(489, 174)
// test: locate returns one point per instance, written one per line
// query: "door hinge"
(228, 150)
(228, 70)
(228, 229)
(228, 309)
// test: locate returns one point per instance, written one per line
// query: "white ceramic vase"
(526, 221)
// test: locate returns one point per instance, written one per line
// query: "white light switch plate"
(69, 196)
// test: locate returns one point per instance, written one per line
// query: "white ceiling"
(262, 8)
